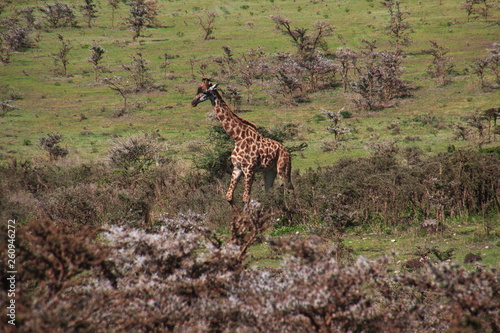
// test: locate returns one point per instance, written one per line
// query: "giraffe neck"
(237, 128)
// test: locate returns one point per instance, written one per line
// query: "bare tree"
(121, 86)
(62, 55)
(58, 15)
(398, 29)
(139, 72)
(96, 55)
(207, 22)
(441, 66)
(114, 6)
(89, 11)
(143, 13)
(304, 40)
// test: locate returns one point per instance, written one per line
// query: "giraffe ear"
(213, 87)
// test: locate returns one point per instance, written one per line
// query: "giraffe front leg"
(234, 180)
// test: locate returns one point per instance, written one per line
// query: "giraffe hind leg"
(284, 167)
(269, 177)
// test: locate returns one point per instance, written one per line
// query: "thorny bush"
(178, 276)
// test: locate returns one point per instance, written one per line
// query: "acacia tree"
(139, 72)
(304, 40)
(476, 8)
(96, 55)
(62, 55)
(398, 29)
(121, 86)
(58, 15)
(379, 81)
(309, 65)
(347, 60)
(441, 66)
(114, 6)
(89, 11)
(207, 22)
(337, 128)
(143, 14)
(488, 65)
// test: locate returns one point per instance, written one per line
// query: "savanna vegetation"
(117, 185)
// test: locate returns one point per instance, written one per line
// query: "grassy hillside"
(123, 225)
(84, 111)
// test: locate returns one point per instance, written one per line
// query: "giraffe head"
(206, 90)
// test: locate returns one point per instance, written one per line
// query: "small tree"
(477, 8)
(5, 51)
(143, 13)
(62, 55)
(379, 81)
(139, 72)
(58, 15)
(494, 61)
(347, 60)
(96, 55)
(114, 6)
(492, 116)
(468, 6)
(207, 22)
(338, 129)
(398, 29)
(121, 86)
(227, 62)
(18, 38)
(479, 67)
(304, 40)
(441, 66)
(89, 11)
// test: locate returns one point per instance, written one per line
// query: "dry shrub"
(179, 277)
(381, 191)
(51, 261)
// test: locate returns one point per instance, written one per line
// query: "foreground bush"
(180, 277)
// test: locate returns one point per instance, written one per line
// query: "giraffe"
(252, 151)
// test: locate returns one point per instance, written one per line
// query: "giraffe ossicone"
(252, 151)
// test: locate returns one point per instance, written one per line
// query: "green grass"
(52, 103)
(464, 238)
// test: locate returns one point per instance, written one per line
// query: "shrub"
(380, 190)
(138, 153)
(179, 276)
(379, 82)
(58, 15)
(50, 143)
